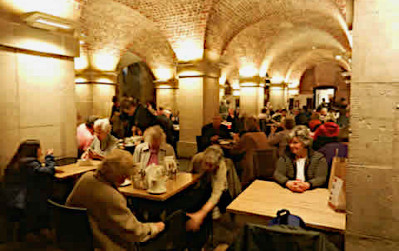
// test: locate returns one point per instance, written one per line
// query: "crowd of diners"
(305, 141)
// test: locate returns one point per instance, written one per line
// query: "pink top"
(84, 137)
(153, 157)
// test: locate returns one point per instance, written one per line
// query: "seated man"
(103, 142)
(214, 131)
(114, 226)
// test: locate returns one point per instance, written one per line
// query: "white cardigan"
(142, 153)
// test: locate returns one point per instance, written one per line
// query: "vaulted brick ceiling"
(239, 31)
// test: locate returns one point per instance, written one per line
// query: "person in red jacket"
(326, 133)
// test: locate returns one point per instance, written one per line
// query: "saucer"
(156, 192)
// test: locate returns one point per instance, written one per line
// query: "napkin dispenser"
(156, 179)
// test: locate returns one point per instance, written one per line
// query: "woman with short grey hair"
(301, 168)
(154, 149)
(103, 142)
(211, 164)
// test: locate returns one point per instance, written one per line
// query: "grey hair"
(303, 134)
(103, 124)
(213, 155)
(154, 132)
(116, 164)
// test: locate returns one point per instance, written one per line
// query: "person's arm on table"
(321, 173)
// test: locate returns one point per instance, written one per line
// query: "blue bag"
(284, 217)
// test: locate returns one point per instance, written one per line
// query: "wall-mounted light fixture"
(47, 22)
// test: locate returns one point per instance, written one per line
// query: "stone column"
(278, 96)
(166, 94)
(94, 91)
(252, 94)
(373, 173)
(198, 101)
(37, 89)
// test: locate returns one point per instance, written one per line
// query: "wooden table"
(262, 199)
(183, 180)
(74, 169)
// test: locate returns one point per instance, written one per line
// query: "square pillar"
(373, 173)
(198, 102)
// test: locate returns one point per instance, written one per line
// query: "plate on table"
(224, 142)
(126, 183)
(156, 191)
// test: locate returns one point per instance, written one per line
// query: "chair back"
(265, 163)
(200, 144)
(72, 227)
(271, 238)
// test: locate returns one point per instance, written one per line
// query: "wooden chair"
(265, 163)
(72, 227)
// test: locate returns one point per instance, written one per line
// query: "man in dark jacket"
(166, 124)
(214, 131)
(136, 115)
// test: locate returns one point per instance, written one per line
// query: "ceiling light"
(338, 57)
(47, 22)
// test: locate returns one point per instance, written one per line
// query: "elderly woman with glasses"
(301, 168)
(154, 149)
(103, 142)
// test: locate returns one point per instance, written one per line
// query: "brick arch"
(178, 20)
(329, 70)
(229, 18)
(290, 45)
(259, 44)
(114, 28)
(309, 59)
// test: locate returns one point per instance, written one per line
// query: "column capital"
(92, 76)
(198, 68)
(167, 84)
(254, 81)
(281, 85)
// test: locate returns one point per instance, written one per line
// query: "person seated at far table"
(280, 139)
(253, 139)
(114, 226)
(214, 131)
(84, 134)
(103, 142)
(301, 168)
(326, 133)
(154, 149)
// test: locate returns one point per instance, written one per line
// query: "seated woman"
(113, 224)
(103, 142)
(154, 149)
(252, 140)
(27, 187)
(301, 168)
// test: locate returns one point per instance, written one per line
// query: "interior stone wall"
(372, 178)
(37, 100)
